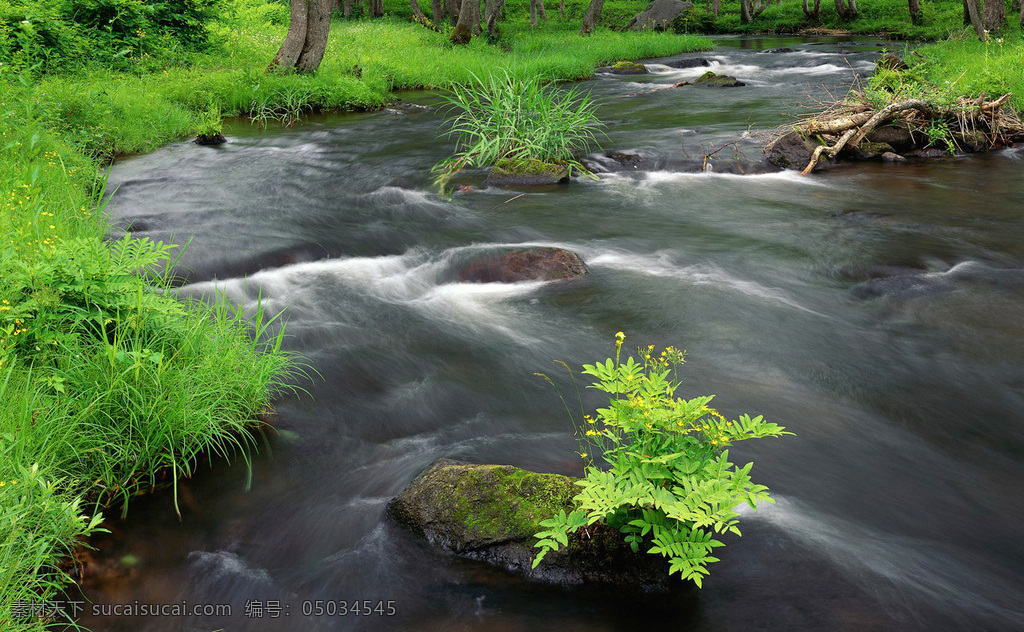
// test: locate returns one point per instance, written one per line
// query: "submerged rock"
(210, 139)
(490, 513)
(619, 161)
(711, 80)
(508, 173)
(526, 264)
(658, 15)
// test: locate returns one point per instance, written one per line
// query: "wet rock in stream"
(490, 513)
(525, 264)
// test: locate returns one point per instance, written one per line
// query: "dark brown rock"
(692, 62)
(790, 151)
(490, 513)
(897, 136)
(528, 264)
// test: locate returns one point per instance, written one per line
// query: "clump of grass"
(512, 121)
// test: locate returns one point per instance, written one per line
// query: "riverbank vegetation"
(666, 482)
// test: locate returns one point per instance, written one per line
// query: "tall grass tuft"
(504, 119)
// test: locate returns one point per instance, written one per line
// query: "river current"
(874, 310)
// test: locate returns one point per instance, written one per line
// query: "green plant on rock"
(515, 121)
(669, 485)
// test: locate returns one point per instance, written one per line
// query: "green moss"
(529, 167)
(497, 502)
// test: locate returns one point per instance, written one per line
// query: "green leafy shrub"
(668, 485)
(502, 118)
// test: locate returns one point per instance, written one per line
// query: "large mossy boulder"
(658, 15)
(541, 263)
(529, 173)
(490, 513)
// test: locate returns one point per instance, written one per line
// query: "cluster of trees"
(304, 47)
(309, 24)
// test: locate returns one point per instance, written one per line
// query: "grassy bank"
(958, 66)
(108, 385)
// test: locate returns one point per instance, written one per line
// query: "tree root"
(968, 118)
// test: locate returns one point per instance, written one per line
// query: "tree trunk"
(716, 6)
(915, 11)
(847, 9)
(469, 22)
(318, 27)
(452, 8)
(1022, 14)
(541, 12)
(533, 14)
(993, 15)
(375, 8)
(492, 9)
(437, 9)
(289, 52)
(974, 15)
(561, 9)
(745, 13)
(591, 17)
(812, 14)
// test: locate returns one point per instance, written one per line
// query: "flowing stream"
(874, 310)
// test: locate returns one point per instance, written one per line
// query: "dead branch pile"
(982, 123)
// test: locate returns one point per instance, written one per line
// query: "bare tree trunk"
(347, 9)
(533, 14)
(452, 8)
(469, 22)
(290, 50)
(847, 9)
(993, 15)
(437, 9)
(591, 17)
(318, 27)
(375, 8)
(561, 9)
(974, 15)
(716, 6)
(915, 11)
(541, 12)
(1022, 14)
(492, 9)
(745, 13)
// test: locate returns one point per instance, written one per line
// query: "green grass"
(108, 385)
(499, 119)
(965, 66)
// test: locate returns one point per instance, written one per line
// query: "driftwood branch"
(855, 127)
(836, 125)
(889, 112)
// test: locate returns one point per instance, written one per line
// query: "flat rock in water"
(528, 173)
(692, 62)
(711, 80)
(490, 513)
(658, 15)
(526, 264)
